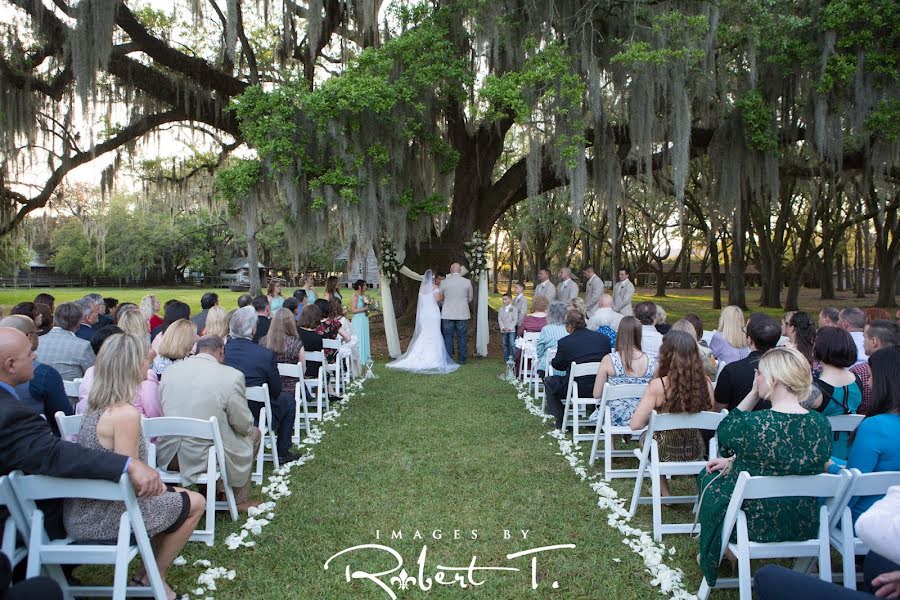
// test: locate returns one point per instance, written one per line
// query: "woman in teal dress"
(786, 440)
(360, 322)
(841, 390)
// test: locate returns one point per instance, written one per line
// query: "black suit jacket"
(262, 328)
(736, 380)
(581, 346)
(85, 332)
(257, 363)
(28, 444)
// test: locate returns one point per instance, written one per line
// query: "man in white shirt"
(623, 291)
(853, 321)
(567, 289)
(593, 289)
(605, 314)
(545, 288)
(651, 339)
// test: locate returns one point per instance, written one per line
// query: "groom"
(457, 294)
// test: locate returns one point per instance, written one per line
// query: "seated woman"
(841, 389)
(533, 322)
(130, 320)
(627, 364)
(216, 323)
(310, 319)
(553, 331)
(111, 423)
(709, 361)
(149, 307)
(786, 440)
(283, 340)
(177, 344)
(729, 342)
(174, 310)
(680, 386)
(661, 325)
(146, 398)
(875, 445)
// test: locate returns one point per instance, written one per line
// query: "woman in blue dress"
(360, 323)
(841, 393)
(628, 364)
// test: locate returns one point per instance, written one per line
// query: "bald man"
(457, 294)
(27, 443)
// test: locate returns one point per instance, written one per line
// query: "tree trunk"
(496, 259)
(686, 259)
(715, 274)
(252, 223)
(736, 293)
(860, 279)
(840, 261)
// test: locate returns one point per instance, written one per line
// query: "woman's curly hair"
(679, 360)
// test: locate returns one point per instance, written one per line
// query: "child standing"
(508, 316)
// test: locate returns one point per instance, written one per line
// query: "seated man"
(581, 346)
(736, 379)
(605, 314)
(200, 387)
(263, 317)
(86, 329)
(27, 444)
(259, 366)
(62, 349)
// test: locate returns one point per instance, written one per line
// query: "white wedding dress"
(426, 353)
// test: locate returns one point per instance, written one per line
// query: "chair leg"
(608, 447)
(232, 504)
(638, 482)
(745, 578)
(703, 592)
(656, 500)
(120, 573)
(597, 432)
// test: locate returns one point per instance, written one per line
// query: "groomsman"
(593, 289)
(567, 289)
(457, 294)
(521, 304)
(545, 288)
(622, 294)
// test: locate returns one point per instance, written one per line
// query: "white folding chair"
(576, 410)
(268, 448)
(334, 371)
(653, 467)
(197, 429)
(45, 555)
(823, 486)
(525, 359)
(539, 392)
(608, 431)
(71, 388)
(843, 538)
(68, 425)
(13, 526)
(301, 414)
(845, 423)
(317, 385)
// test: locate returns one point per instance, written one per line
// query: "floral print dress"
(621, 410)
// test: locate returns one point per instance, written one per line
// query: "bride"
(426, 352)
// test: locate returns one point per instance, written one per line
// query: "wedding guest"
(878, 335)
(174, 310)
(875, 445)
(45, 393)
(520, 303)
(829, 317)
(853, 321)
(801, 333)
(111, 423)
(293, 305)
(567, 289)
(300, 295)
(680, 386)
(207, 301)
(336, 320)
(86, 329)
(112, 307)
(785, 440)
(533, 322)
(263, 317)
(259, 366)
(332, 289)
(284, 340)
(216, 323)
(131, 320)
(874, 313)
(729, 342)
(580, 346)
(841, 390)
(706, 357)
(310, 289)
(149, 308)
(709, 361)
(61, 349)
(651, 339)
(310, 338)
(544, 287)
(785, 321)
(46, 318)
(45, 298)
(176, 345)
(627, 365)
(102, 318)
(593, 289)
(736, 379)
(273, 294)
(244, 300)
(201, 387)
(660, 324)
(604, 325)
(578, 304)
(507, 319)
(623, 292)
(30, 310)
(605, 313)
(146, 398)
(551, 333)
(360, 322)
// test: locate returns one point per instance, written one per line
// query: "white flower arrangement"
(390, 266)
(476, 253)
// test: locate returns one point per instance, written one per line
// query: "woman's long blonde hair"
(731, 326)
(119, 371)
(282, 328)
(132, 320)
(178, 340)
(216, 322)
(147, 306)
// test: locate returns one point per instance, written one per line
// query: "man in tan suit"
(200, 387)
(457, 294)
(567, 289)
(545, 288)
(593, 289)
(622, 294)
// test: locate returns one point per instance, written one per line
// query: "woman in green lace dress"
(786, 440)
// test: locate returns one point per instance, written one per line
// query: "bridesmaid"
(360, 323)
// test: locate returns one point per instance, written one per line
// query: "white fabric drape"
(404, 270)
(481, 319)
(390, 319)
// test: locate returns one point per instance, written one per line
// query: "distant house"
(359, 269)
(236, 272)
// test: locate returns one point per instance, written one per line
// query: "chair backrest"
(332, 344)
(68, 425)
(72, 387)
(619, 392)
(579, 370)
(531, 336)
(721, 367)
(179, 427)
(290, 370)
(259, 393)
(849, 423)
(16, 521)
(30, 489)
(707, 336)
(702, 420)
(872, 484)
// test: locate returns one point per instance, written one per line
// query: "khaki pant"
(241, 494)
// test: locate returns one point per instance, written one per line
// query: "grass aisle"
(456, 452)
